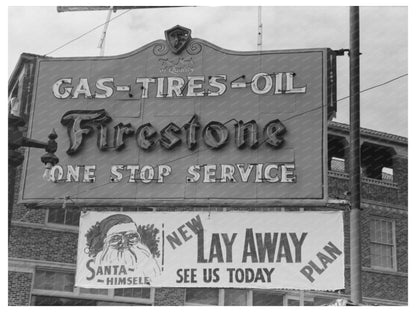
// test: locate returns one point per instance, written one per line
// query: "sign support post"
(260, 31)
(355, 179)
(101, 44)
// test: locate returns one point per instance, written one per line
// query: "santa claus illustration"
(116, 240)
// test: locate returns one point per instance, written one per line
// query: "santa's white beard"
(129, 256)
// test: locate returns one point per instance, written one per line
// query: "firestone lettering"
(215, 134)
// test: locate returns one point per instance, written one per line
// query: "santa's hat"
(112, 224)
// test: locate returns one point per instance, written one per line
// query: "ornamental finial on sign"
(178, 38)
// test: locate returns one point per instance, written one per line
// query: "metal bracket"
(341, 52)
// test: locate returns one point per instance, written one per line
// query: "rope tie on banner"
(83, 209)
(68, 199)
(64, 202)
(22, 219)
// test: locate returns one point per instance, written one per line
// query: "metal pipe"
(101, 44)
(355, 179)
(259, 31)
(61, 9)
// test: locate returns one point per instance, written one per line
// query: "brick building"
(43, 240)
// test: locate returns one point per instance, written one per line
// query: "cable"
(376, 86)
(185, 156)
(205, 149)
(86, 33)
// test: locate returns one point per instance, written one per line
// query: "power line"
(174, 160)
(376, 86)
(206, 149)
(86, 33)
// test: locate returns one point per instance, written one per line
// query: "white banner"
(293, 250)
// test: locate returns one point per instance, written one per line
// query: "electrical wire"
(205, 149)
(86, 33)
(173, 160)
(376, 86)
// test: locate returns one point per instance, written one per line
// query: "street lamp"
(16, 140)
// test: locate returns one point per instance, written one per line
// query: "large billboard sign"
(211, 249)
(183, 121)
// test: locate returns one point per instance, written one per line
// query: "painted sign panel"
(217, 249)
(202, 124)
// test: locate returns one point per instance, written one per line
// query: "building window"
(290, 298)
(137, 209)
(64, 216)
(57, 281)
(60, 301)
(337, 152)
(266, 298)
(14, 100)
(244, 297)
(295, 301)
(93, 291)
(235, 297)
(382, 244)
(71, 216)
(54, 287)
(202, 296)
(323, 301)
(374, 158)
(133, 292)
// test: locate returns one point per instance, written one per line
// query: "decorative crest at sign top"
(178, 38)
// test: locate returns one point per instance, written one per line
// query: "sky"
(383, 42)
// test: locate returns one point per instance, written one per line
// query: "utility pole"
(355, 178)
(101, 44)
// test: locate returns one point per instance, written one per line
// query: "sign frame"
(296, 257)
(328, 94)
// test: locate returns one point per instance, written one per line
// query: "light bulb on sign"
(47, 173)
